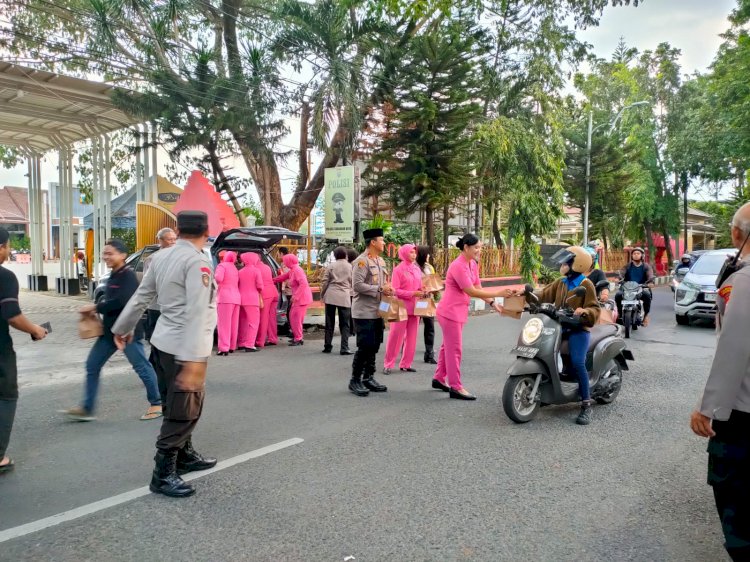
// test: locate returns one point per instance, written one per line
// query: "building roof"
(41, 111)
(698, 213)
(123, 211)
(14, 205)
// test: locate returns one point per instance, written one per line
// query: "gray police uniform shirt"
(728, 385)
(182, 281)
(368, 276)
(146, 266)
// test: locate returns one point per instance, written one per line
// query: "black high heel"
(409, 370)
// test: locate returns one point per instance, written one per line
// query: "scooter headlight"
(531, 331)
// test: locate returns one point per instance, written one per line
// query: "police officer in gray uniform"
(369, 282)
(724, 411)
(181, 280)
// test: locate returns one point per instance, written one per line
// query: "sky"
(690, 25)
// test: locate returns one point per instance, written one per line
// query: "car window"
(144, 254)
(709, 264)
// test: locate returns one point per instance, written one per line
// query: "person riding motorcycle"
(594, 275)
(574, 262)
(685, 261)
(640, 272)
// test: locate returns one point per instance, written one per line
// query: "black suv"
(258, 239)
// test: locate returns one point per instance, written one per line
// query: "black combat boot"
(369, 378)
(429, 357)
(584, 418)
(165, 479)
(189, 460)
(355, 384)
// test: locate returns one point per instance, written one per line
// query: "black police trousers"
(8, 396)
(369, 338)
(182, 409)
(729, 476)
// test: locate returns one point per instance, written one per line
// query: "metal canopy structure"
(43, 111)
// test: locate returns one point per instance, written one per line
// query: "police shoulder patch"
(361, 263)
(725, 292)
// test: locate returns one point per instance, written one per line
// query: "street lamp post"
(591, 130)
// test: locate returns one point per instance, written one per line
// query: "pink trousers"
(400, 331)
(267, 327)
(296, 318)
(449, 360)
(227, 324)
(249, 325)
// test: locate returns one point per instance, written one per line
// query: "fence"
(493, 262)
(614, 260)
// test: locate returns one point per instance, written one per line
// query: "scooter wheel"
(516, 398)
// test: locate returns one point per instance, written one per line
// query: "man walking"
(181, 280)
(10, 315)
(166, 238)
(724, 411)
(369, 283)
(336, 293)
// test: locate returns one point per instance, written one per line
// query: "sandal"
(152, 415)
(7, 467)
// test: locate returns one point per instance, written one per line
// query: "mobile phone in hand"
(47, 326)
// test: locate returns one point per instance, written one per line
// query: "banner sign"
(339, 203)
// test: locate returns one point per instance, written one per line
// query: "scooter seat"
(598, 333)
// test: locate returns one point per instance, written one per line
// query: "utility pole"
(588, 180)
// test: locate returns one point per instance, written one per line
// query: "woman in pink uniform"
(267, 329)
(301, 295)
(407, 285)
(251, 291)
(461, 283)
(227, 303)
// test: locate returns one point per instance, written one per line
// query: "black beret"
(192, 222)
(372, 233)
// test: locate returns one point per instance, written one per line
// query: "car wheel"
(682, 320)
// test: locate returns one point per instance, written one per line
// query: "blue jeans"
(578, 344)
(103, 349)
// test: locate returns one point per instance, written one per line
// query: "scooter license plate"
(526, 352)
(629, 302)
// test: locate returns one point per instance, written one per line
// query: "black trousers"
(729, 476)
(182, 408)
(429, 333)
(345, 319)
(369, 338)
(8, 396)
(152, 316)
(645, 298)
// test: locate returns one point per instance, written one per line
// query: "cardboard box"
(513, 307)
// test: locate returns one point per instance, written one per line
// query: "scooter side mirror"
(529, 291)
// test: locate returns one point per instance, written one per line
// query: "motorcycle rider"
(639, 272)
(574, 262)
(685, 261)
(594, 275)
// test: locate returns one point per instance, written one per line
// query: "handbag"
(89, 326)
(425, 308)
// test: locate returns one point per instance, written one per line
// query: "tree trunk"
(496, 227)
(648, 228)
(684, 186)
(446, 219)
(668, 247)
(224, 184)
(429, 219)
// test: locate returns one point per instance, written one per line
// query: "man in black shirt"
(121, 285)
(10, 315)
(639, 272)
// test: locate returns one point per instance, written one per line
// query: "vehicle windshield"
(709, 264)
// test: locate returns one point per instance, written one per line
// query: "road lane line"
(106, 503)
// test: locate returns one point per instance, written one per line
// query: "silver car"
(695, 296)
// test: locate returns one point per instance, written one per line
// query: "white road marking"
(85, 510)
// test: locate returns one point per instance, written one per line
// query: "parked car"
(259, 239)
(695, 296)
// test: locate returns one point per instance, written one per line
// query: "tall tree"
(426, 153)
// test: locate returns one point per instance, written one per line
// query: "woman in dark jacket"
(121, 285)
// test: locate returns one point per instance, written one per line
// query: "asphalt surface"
(405, 475)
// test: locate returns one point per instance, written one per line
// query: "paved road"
(409, 475)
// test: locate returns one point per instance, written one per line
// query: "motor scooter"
(632, 306)
(542, 373)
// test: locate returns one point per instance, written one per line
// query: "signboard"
(339, 203)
